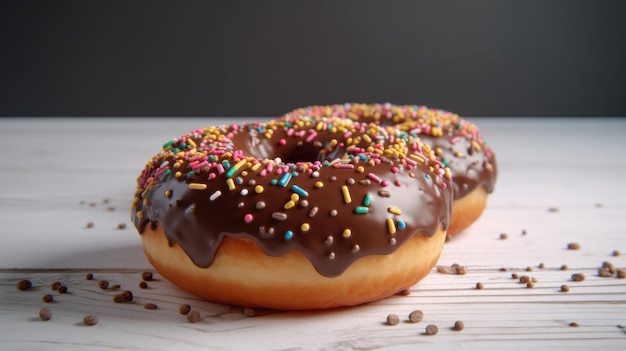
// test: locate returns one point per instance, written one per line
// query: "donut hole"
(292, 151)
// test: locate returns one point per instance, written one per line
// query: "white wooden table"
(57, 175)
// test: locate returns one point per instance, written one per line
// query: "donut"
(293, 213)
(456, 142)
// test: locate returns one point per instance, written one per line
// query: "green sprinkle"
(367, 200)
(168, 144)
(361, 210)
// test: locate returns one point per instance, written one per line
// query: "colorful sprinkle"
(346, 194)
(197, 186)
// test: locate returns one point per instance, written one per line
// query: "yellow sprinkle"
(197, 186)
(146, 202)
(258, 189)
(176, 165)
(244, 173)
(305, 227)
(346, 194)
(458, 154)
(289, 205)
(139, 214)
(416, 158)
(168, 193)
(231, 183)
(411, 174)
(178, 174)
(256, 166)
(476, 145)
(367, 138)
(347, 233)
(191, 142)
(319, 184)
(360, 169)
(394, 210)
(319, 126)
(391, 226)
(295, 197)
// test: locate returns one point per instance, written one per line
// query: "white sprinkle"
(315, 174)
(244, 192)
(215, 195)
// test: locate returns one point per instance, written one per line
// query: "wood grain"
(58, 179)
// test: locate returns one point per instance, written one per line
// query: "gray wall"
(262, 58)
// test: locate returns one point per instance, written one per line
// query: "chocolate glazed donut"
(456, 142)
(294, 213)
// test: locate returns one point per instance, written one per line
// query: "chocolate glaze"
(457, 142)
(336, 235)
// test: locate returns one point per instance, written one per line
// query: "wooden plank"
(50, 191)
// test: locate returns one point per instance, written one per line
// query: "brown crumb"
(249, 312)
(446, 270)
(458, 326)
(605, 273)
(462, 270)
(89, 276)
(553, 209)
(529, 269)
(514, 276)
(89, 225)
(62, 289)
(184, 309)
(111, 208)
(578, 277)
(143, 285)
(121, 226)
(416, 316)
(564, 288)
(115, 287)
(524, 232)
(105, 201)
(23, 284)
(119, 298)
(432, 329)
(615, 253)
(524, 279)
(393, 319)
(404, 292)
(573, 324)
(609, 266)
(503, 269)
(47, 298)
(621, 273)
(147, 276)
(479, 285)
(150, 306)
(45, 314)
(504, 236)
(128, 295)
(530, 285)
(90, 320)
(533, 279)
(573, 246)
(194, 316)
(564, 267)
(103, 284)
(541, 266)
(55, 285)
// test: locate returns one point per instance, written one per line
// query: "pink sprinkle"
(385, 183)
(279, 171)
(200, 165)
(343, 165)
(235, 127)
(212, 175)
(444, 185)
(397, 183)
(311, 136)
(220, 168)
(248, 218)
(455, 139)
(282, 142)
(374, 177)
(394, 169)
(263, 172)
(347, 134)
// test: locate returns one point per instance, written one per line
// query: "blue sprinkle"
(401, 225)
(239, 180)
(427, 176)
(288, 235)
(298, 190)
(226, 164)
(284, 180)
(273, 181)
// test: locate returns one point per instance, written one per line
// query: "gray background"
(263, 58)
